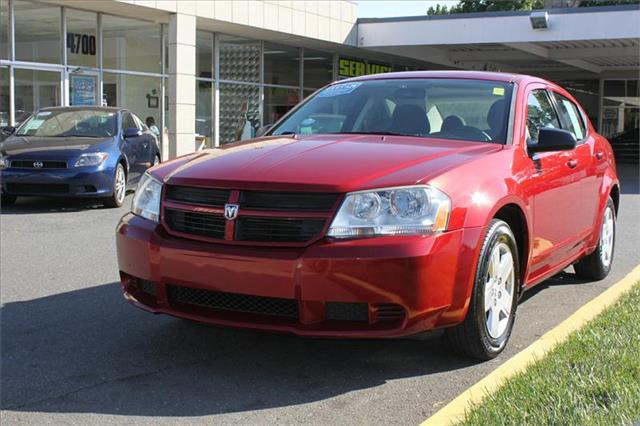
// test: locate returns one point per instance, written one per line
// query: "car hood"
(339, 163)
(28, 145)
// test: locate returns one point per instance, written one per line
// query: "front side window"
(70, 123)
(460, 109)
(540, 114)
(128, 122)
(571, 116)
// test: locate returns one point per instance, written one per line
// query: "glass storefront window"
(35, 90)
(277, 102)
(281, 65)
(37, 28)
(4, 97)
(204, 111)
(318, 68)
(239, 111)
(82, 39)
(130, 44)
(239, 59)
(139, 94)
(4, 29)
(204, 54)
(621, 107)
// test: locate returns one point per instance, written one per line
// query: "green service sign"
(356, 68)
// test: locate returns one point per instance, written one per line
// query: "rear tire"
(597, 265)
(486, 329)
(119, 188)
(7, 200)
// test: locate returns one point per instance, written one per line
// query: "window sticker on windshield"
(498, 91)
(44, 113)
(339, 89)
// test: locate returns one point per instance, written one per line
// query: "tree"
(468, 6)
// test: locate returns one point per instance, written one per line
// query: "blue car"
(96, 152)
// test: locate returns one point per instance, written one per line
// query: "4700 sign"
(84, 44)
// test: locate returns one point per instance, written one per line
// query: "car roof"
(470, 75)
(84, 108)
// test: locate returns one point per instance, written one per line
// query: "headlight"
(91, 159)
(409, 210)
(146, 201)
(4, 163)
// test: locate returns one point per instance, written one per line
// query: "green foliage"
(467, 6)
(591, 379)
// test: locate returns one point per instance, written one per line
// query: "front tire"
(119, 188)
(597, 265)
(489, 321)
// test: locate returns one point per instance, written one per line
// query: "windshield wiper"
(373, 133)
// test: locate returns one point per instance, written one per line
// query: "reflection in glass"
(38, 28)
(204, 97)
(81, 40)
(204, 54)
(318, 68)
(131, 44)
(141, 95)
(239, 111)
(35, 90)
(281, 65)
(4, 97)
(4, 29)
(277, 102)
(239, 59)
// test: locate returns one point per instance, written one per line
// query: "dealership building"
(213, 72)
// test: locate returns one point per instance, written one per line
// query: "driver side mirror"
(9, 130)
(131, 132)
(264, 129)
(552, 140)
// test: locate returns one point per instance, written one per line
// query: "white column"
(182, 84)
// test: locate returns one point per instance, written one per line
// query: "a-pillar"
(182, 85)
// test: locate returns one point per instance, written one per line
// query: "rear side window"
(540, 114)
(570, 116)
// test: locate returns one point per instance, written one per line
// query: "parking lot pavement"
(74, 352)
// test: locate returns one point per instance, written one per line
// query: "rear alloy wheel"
(489, 321)
(119, 188)
(597, 265)
(7, 200)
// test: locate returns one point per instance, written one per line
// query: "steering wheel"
(470, 132)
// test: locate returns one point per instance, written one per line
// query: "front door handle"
(599, 155)
(572, 163)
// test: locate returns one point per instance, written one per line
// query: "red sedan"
(381, 206)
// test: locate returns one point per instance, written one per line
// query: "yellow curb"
(454, 412)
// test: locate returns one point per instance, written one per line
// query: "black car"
(626, 146)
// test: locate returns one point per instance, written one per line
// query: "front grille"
(203, 224)
(29, 164)
(273, 306)
(37, 188)
(277, 229)
(288, 201)
(195, 195)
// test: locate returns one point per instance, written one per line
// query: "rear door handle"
(599, 155)
(572, 163)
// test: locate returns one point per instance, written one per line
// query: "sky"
(388, 8)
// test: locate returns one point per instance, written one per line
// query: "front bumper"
(72, 182)
(377, 287)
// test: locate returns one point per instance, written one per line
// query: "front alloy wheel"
(119, 188)
(489, 321)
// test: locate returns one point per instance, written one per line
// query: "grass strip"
(593, 378)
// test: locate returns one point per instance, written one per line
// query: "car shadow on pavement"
(88, 351)
(563, 278)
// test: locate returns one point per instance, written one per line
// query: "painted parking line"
(454, 412)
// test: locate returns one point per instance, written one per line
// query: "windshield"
(473, 110)
(69, 123)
